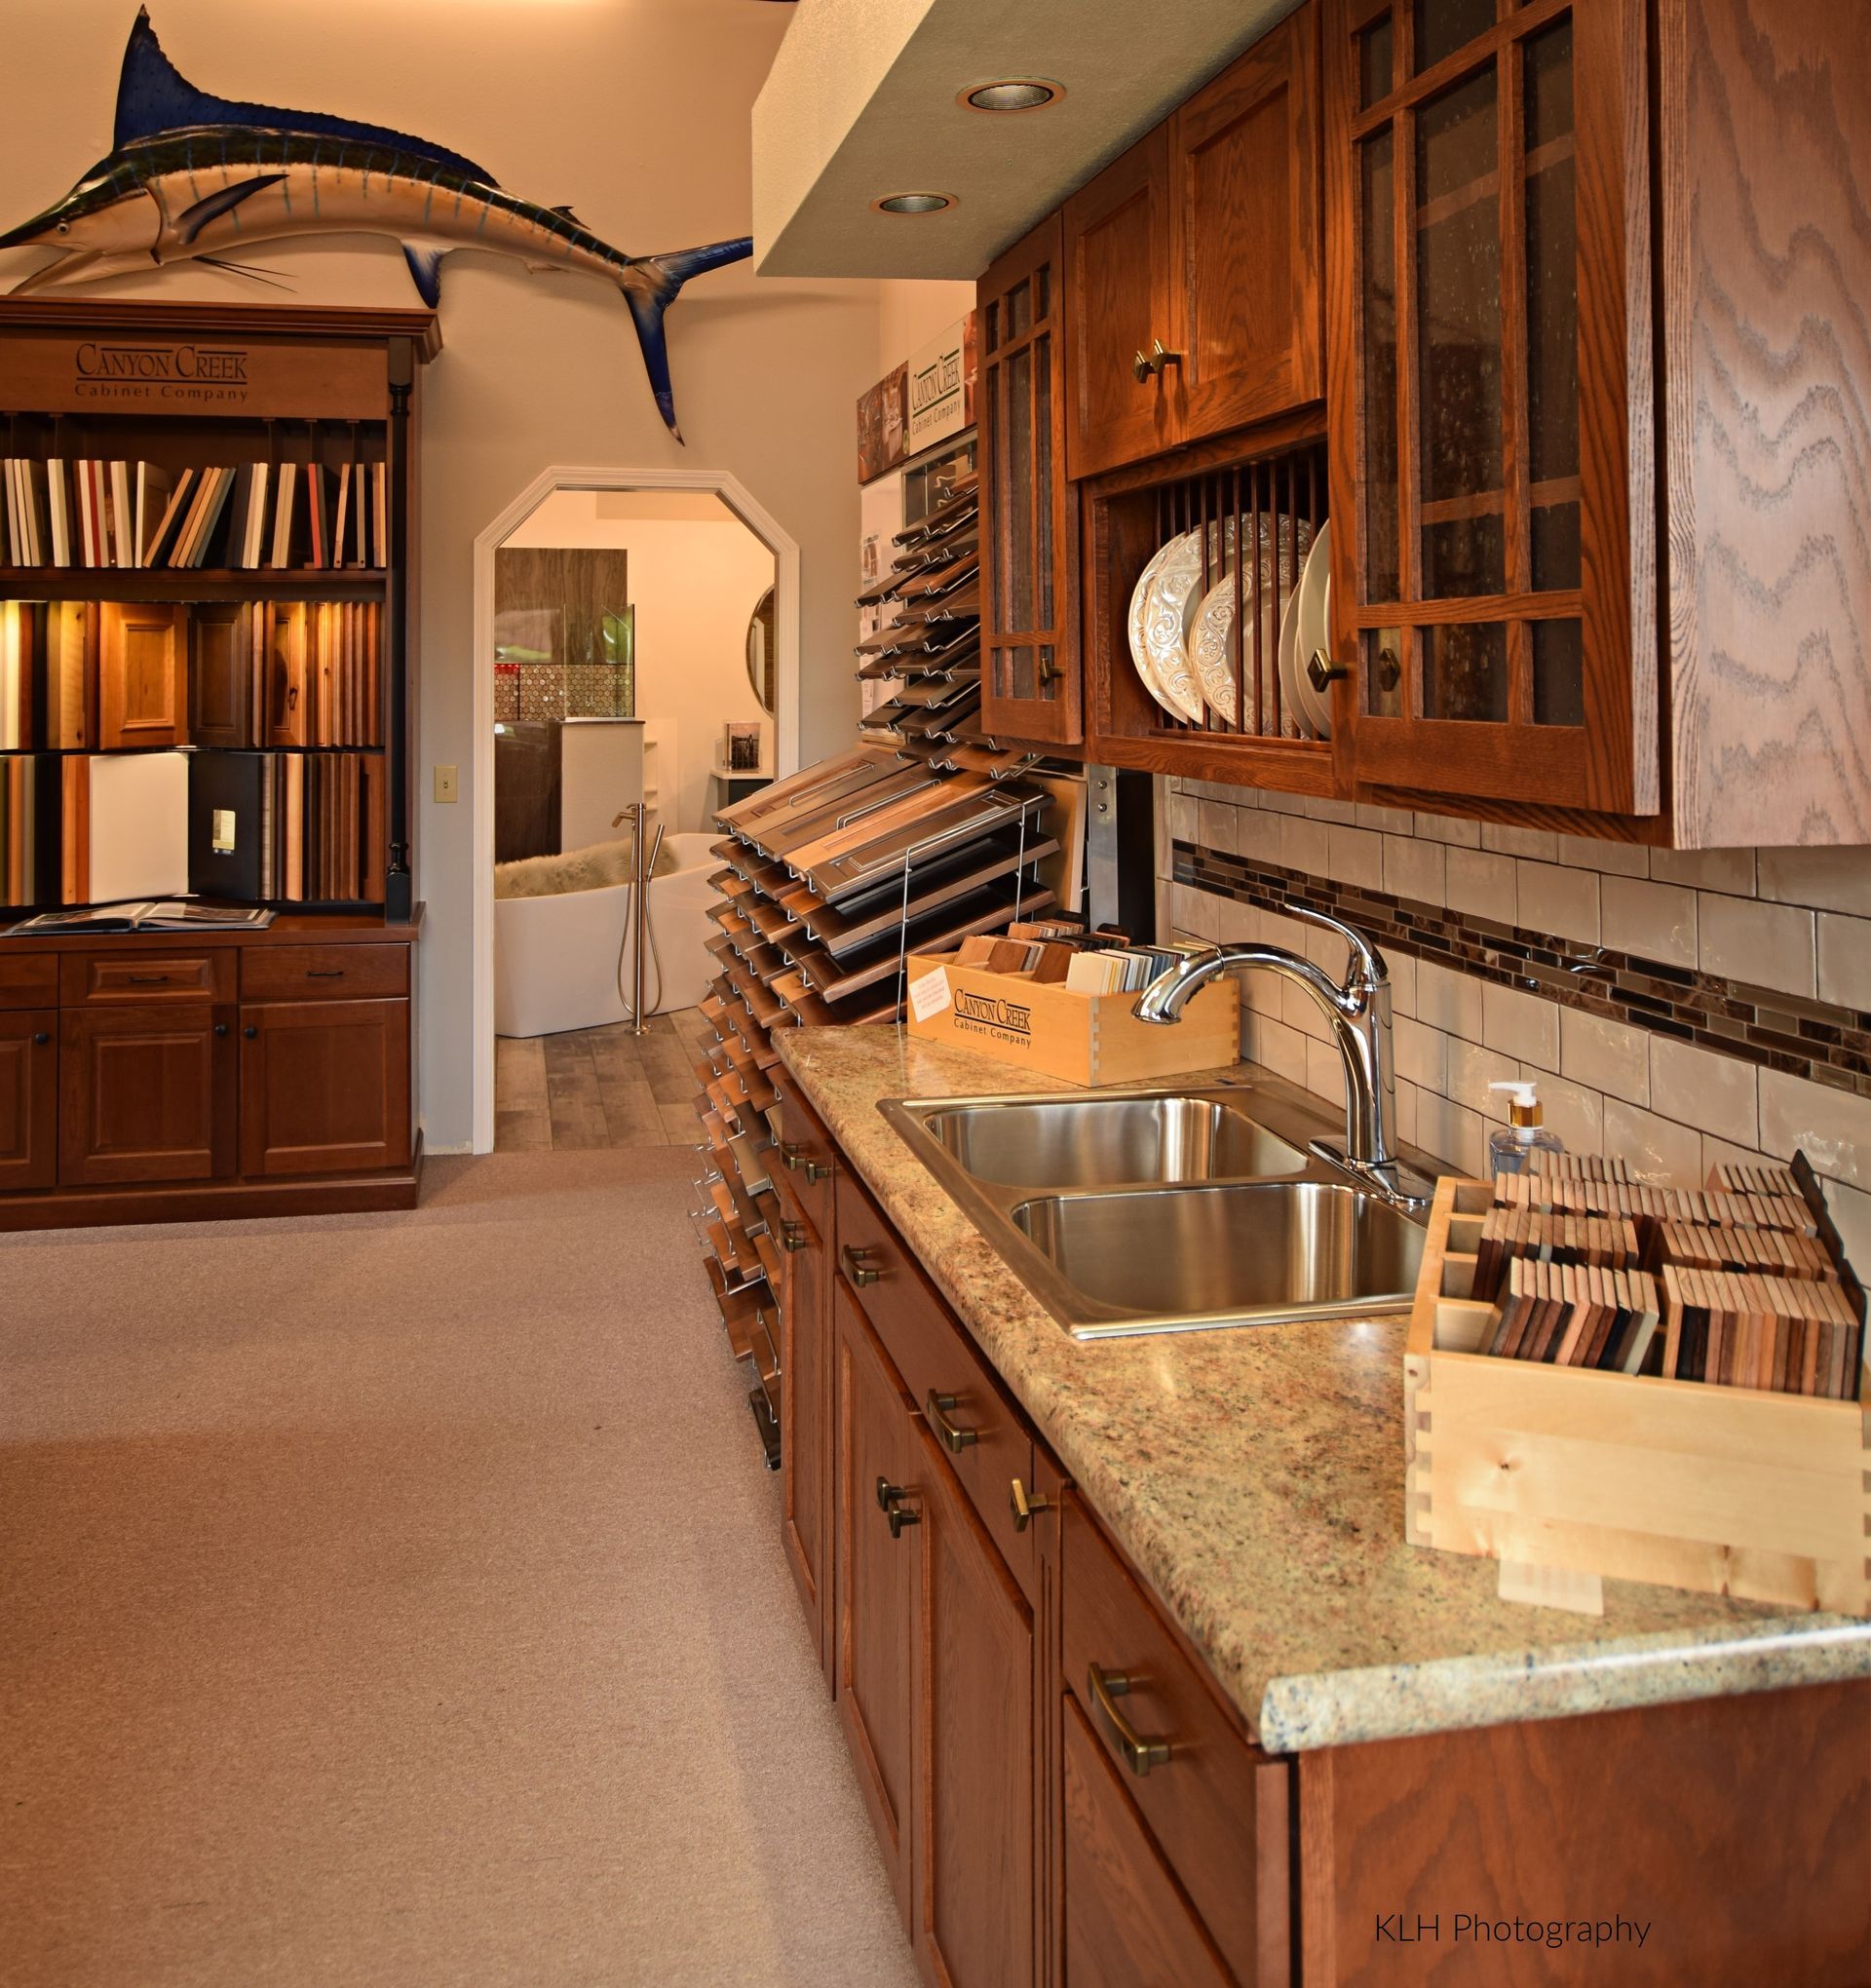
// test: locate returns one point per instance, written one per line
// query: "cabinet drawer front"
(967, 1410)
(804, 1157)
(1217, 1805)
(29, 979)
(313, 972)
(147, 979)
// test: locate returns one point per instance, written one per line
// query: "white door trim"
(785, 603)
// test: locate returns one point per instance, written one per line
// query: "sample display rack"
(923, 834)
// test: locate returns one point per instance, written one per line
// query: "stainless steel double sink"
(1166, 1211)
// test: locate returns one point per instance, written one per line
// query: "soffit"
(860, 103)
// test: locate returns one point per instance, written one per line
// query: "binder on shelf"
(229, 805)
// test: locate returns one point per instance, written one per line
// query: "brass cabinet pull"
(851, 1256)
(1390, 671)
(1323, 672)
(792, 1235)
(797, 1158)
(1048, 673)
(889, 1499)
(938, 1407)
(1153, 360)
(1140, 1754)
(1025, 1504)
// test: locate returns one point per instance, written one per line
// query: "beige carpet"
(399, 1599)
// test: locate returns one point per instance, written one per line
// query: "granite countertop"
(1255, 1478)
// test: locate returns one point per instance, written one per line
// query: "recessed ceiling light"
(1013, 93)
(914, 203)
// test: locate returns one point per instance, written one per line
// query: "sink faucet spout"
(1359, 1011)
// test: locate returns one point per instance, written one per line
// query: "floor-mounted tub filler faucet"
(1359, 1013)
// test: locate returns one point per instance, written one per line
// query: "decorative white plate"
(1314, 632)
(1211, 631)
(1141, 626)
(1162, 612)
(1292, 711)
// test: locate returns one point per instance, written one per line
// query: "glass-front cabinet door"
(1030, 677)
(1492, 566)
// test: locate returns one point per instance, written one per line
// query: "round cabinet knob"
(220, 1028)
(42, 1038)
(249, 1032)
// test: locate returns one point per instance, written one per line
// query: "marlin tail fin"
(650, 288)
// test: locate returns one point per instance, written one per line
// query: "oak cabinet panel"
(875, 1585)
(146, 1093)
(974, 1851)
(805, 1425)
(29, 1097)
(1118, 304)
(324, 1087)
(1244, 161)
(1127, 1919)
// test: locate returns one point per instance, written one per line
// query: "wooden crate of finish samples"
(1720, 1488)
(1055, 1031)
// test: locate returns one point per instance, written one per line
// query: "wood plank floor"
(600, 1087)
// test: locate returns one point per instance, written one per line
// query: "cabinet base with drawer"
(151, 1077)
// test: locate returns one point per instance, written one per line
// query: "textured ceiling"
(860, 103)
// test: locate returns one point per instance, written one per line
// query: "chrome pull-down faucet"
(1360, 1015)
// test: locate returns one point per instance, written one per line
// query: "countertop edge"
(1348, 1707)
(1302, 1712)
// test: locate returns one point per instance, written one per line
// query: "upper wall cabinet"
(1030, 683)
(1193, 266)
(1490, 401)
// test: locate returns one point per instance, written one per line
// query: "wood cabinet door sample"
(1127, 1919)
(805, 1424)
(140, 673)
(222, 673)
(324, 1087)
(1031, 680)
(145, 1093)
(1248, 247)
(876, 1586)
(29, 1097)
(1119, 303)
(1489, 354)
(975, 1817)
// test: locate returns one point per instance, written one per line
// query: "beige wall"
(909, 314)
(694, 584)
(637, 113)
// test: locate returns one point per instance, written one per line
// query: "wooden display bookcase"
(1723, 1490)
(189, 1074)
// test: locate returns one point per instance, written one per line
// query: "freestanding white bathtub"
(555, 958)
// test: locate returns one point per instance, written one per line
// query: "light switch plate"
(447, 784)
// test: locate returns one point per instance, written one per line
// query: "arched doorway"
(549, 484)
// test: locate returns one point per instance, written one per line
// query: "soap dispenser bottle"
(1510, 1144)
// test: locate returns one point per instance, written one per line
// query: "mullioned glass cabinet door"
(1030, 675)
(1493, 564)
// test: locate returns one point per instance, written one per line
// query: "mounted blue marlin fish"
(195, 176)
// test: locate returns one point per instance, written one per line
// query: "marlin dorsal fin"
(154, 97)
(569, 214)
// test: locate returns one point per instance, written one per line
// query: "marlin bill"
(195, 176)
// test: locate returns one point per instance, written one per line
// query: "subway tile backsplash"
(1725, 1012)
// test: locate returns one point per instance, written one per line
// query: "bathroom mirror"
(761, 666)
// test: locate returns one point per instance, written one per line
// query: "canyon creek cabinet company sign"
(290, 379)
